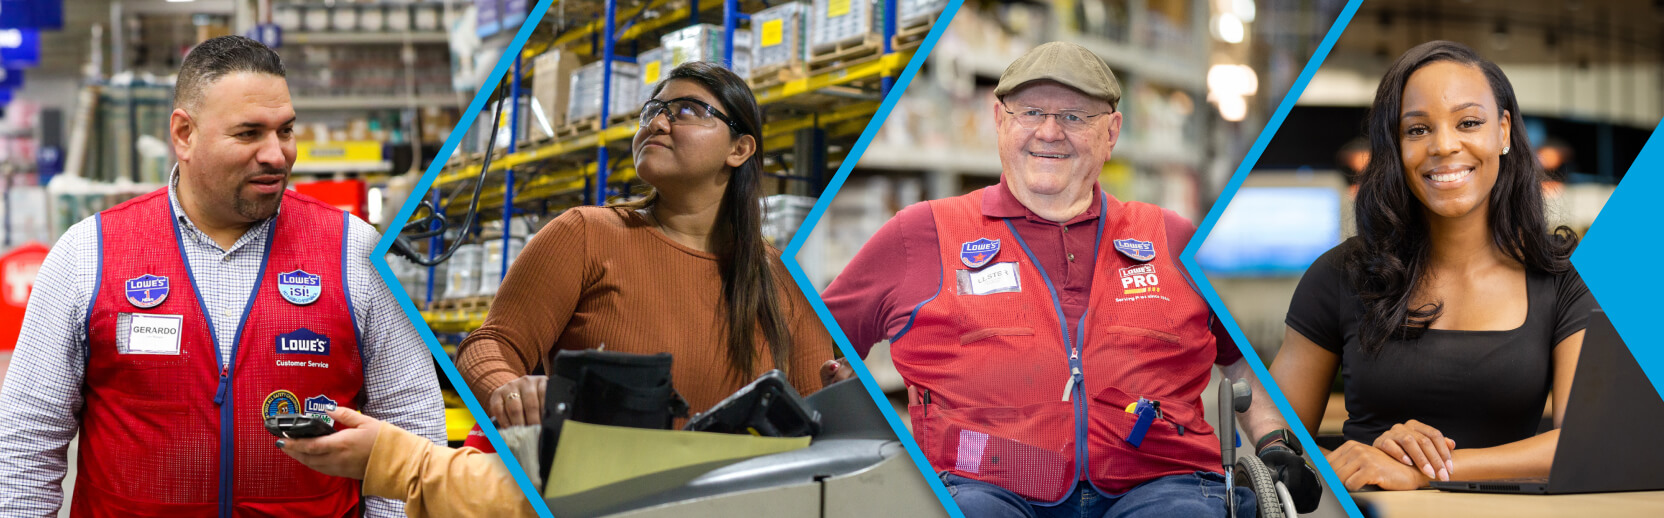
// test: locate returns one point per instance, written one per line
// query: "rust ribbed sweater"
(599, 275)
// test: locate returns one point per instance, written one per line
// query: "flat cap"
(1070, 64)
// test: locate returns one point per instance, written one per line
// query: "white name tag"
(154, 334)
(996, 278)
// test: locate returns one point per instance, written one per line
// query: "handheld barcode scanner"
(299, 426)
(768, 407)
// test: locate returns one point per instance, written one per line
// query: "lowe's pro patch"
(1139, 279)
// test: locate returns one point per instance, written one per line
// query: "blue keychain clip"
(1146, 411)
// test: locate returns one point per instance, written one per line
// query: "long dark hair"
(747, 280)
(1393, 236)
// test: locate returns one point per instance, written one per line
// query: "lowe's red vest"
(165, 430)
(1021, 399)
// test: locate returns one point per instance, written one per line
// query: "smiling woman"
(1455, 313)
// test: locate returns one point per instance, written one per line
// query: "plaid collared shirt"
(41, 397)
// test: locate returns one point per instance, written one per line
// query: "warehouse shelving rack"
(832, 102)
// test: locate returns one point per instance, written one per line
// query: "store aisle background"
(1199, 80)
(377, 87)
(1589, 76)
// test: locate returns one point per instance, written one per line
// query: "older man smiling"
(1054, 351)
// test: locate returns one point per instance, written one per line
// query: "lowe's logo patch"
(299, 287)
(320, 405)
(303, 341)
(977, 253)
(1141, 251)
(147, 291)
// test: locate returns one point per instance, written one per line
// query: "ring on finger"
(514, 395)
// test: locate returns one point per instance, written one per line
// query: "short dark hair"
(215, 58)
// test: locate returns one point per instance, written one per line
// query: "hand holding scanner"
(299, 426)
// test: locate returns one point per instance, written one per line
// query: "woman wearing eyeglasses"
(684, 271)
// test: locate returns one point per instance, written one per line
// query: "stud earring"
(1505, 150)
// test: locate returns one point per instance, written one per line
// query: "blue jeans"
(1195, 495)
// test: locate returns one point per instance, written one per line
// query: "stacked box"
(655, 65)
(551, 83)
(835, 21)
(701, 42)
(778, 40)
(743, 54)
(704, 42)
(915, 12)
(463, 272)
(584, 101)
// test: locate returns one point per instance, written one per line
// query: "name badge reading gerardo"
(153, 334)
(996, 278)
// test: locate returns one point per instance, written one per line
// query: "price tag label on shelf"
(774, 31)
(650, 72)
(836, 8)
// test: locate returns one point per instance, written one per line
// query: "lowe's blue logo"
(299, 287)
(303, 341)
(1142, 251)
(977, 253)
(147, 291)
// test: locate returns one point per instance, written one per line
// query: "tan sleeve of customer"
(811, 345)
(435, 480)
(531, 308)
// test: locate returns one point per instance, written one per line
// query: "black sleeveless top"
(1481, 388)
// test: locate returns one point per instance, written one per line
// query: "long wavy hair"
(1393, 231)
(748, 284)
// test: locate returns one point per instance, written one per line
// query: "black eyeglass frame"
(663, 107)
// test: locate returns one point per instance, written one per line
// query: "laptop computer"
(1609, 436)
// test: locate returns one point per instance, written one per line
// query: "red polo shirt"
(900, 266)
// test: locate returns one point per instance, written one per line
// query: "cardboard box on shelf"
(585, 98)
(835, 22)
(551, 83)
(778, 37)
(705, 42)
(655, 65)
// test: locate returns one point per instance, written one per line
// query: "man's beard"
(259, 206)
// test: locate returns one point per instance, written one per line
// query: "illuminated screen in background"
(1272, 231)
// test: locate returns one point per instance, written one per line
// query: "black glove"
(1288, 468)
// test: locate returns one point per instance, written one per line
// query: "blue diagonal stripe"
(790, 255)
(1188, 257)
(1618, 258)
(378, 257)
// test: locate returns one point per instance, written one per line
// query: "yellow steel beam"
(578, 39)
(887, 65)
(776, 136)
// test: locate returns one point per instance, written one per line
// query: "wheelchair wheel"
(1251, 472)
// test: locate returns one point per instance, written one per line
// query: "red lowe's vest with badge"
(1023, 400)
(165, 431)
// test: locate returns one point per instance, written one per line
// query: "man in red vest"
(166, 329)
(1054, 351)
